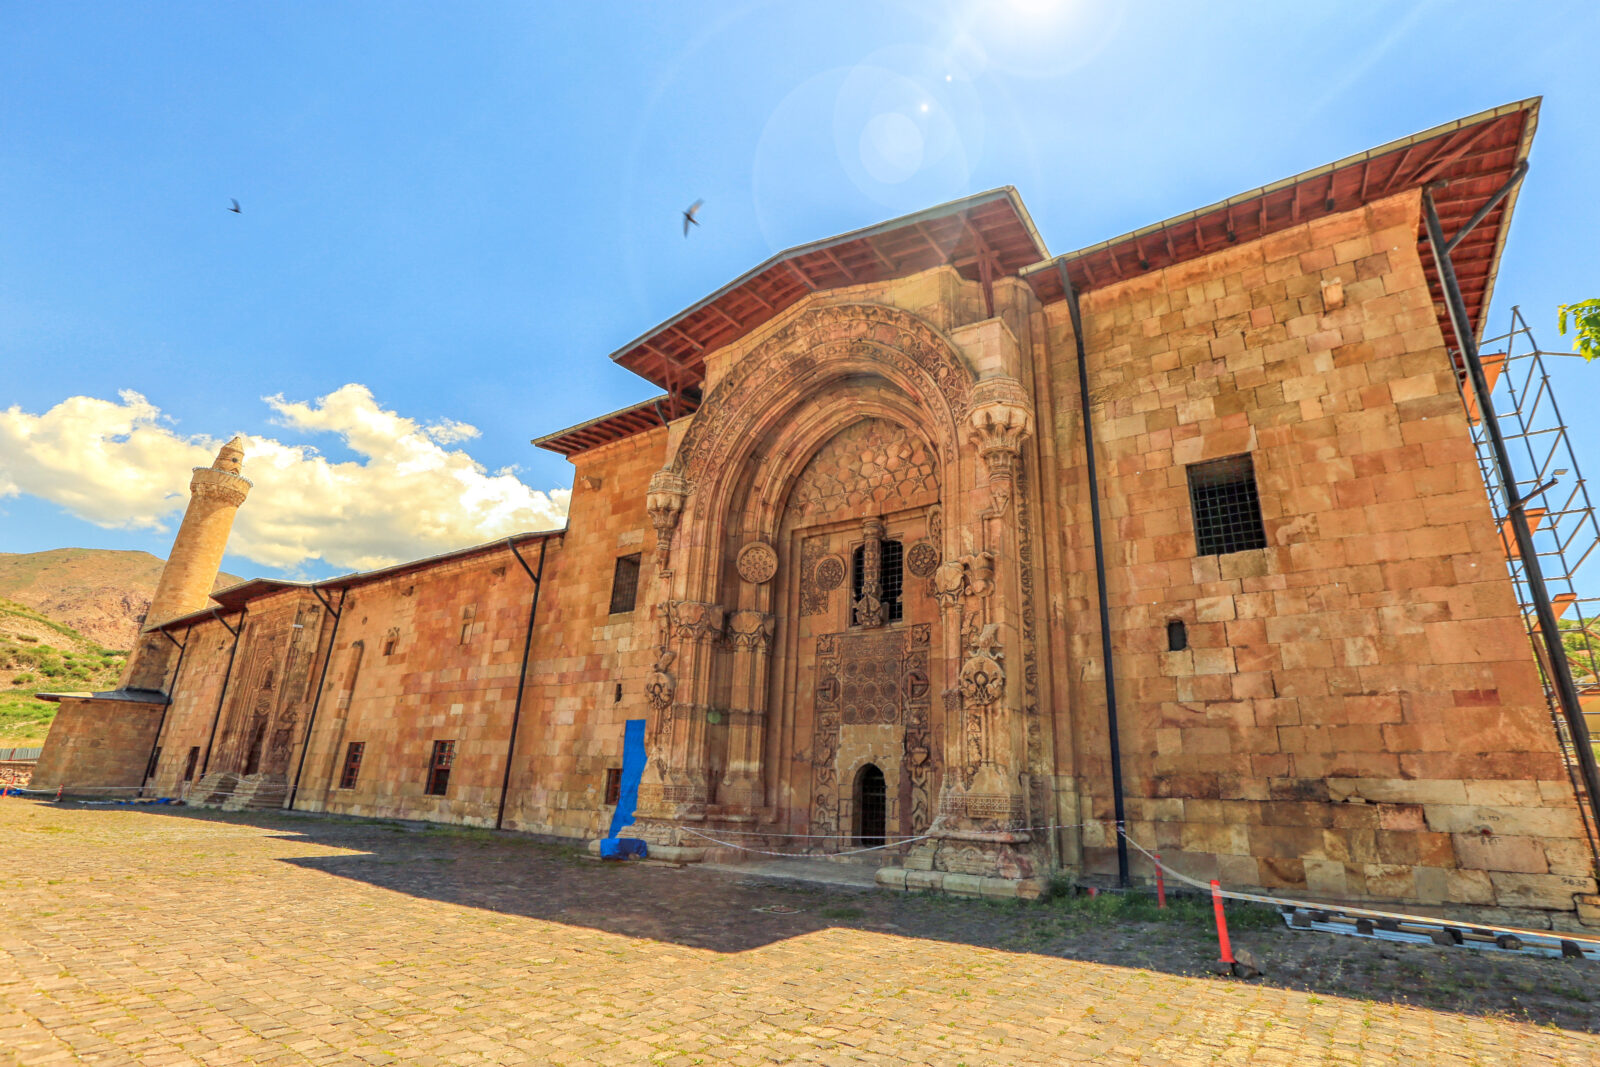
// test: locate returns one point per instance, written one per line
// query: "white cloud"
(411, 495)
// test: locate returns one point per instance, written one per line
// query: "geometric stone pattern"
(874, 466)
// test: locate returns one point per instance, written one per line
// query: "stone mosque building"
(852, 568)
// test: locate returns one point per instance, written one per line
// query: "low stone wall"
(16, 773)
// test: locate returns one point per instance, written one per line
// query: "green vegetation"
(1141, 906)
(1584, 317)
(38, 654)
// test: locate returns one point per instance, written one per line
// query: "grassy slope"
(39, 654)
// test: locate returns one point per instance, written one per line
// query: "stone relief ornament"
(868, 607)
(751, 629)
(663, 502)
(661, 685)
(694, 621)
(983, 678)
(999, 420)
(757, 562)
(829, 573)
(922, 559)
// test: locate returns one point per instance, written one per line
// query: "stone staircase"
(227, 791)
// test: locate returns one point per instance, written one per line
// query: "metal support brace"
(311, 720)
(1555, 654)
(522, 675)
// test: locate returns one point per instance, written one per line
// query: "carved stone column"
(868, 607)
(664, 503)
(1000, 419)
(695, 630)
(750, 633)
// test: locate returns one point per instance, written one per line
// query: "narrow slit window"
(613, 785)
(616, 697)
(1177, 636)
(352, 764)
(439, 764)
(625, 584)
(1227, 507)
(155, 758)
(188, 767)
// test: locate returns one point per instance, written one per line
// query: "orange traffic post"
(1161, 884)
(1222, 922)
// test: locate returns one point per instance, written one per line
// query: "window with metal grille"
(613, 784)
(625, 584)
(155, 758)
(352, 765)
(188, 768)
(444, 754)
(891, 577)
(1227, 509)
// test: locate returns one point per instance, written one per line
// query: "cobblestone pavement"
(164, 936)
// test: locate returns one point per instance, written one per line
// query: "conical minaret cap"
(230, 457)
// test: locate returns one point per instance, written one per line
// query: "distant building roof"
(237, 596)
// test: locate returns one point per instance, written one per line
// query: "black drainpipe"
(171, 688)
(1100, 579)
(227, 676)
(311, 720)
(522, 675)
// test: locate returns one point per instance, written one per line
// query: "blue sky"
(461, 209)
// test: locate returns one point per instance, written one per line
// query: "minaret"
(215, 493)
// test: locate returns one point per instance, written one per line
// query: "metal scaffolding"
(1549, 491)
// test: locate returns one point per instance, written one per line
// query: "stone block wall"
(423, 656)
(572, 719)
(1357, 713)
(99, 747)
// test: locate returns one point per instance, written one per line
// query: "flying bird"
(688, 216)
(235, 207)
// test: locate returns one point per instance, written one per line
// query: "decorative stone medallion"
(922, 559)
(829, 573)
(757, 563)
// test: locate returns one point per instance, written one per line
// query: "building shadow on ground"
(727, 912)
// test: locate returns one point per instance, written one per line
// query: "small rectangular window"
(613, 784)
(188, 768)
(466, 632)
(352, 764)
(444, 755)
(1227, 508)
(625, 584)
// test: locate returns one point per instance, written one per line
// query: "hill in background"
(103, 594)
(40, 654)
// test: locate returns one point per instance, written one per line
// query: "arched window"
(872, 807)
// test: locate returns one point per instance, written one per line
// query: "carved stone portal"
(872, 677)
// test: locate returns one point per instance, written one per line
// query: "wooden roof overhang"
(1465, 162)
(236, 596)
(984, 236)
(646, 415)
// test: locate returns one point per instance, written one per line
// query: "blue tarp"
(633, 760)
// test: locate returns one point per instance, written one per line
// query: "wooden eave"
(647, 415)
(1464, 162)
(991, 226)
